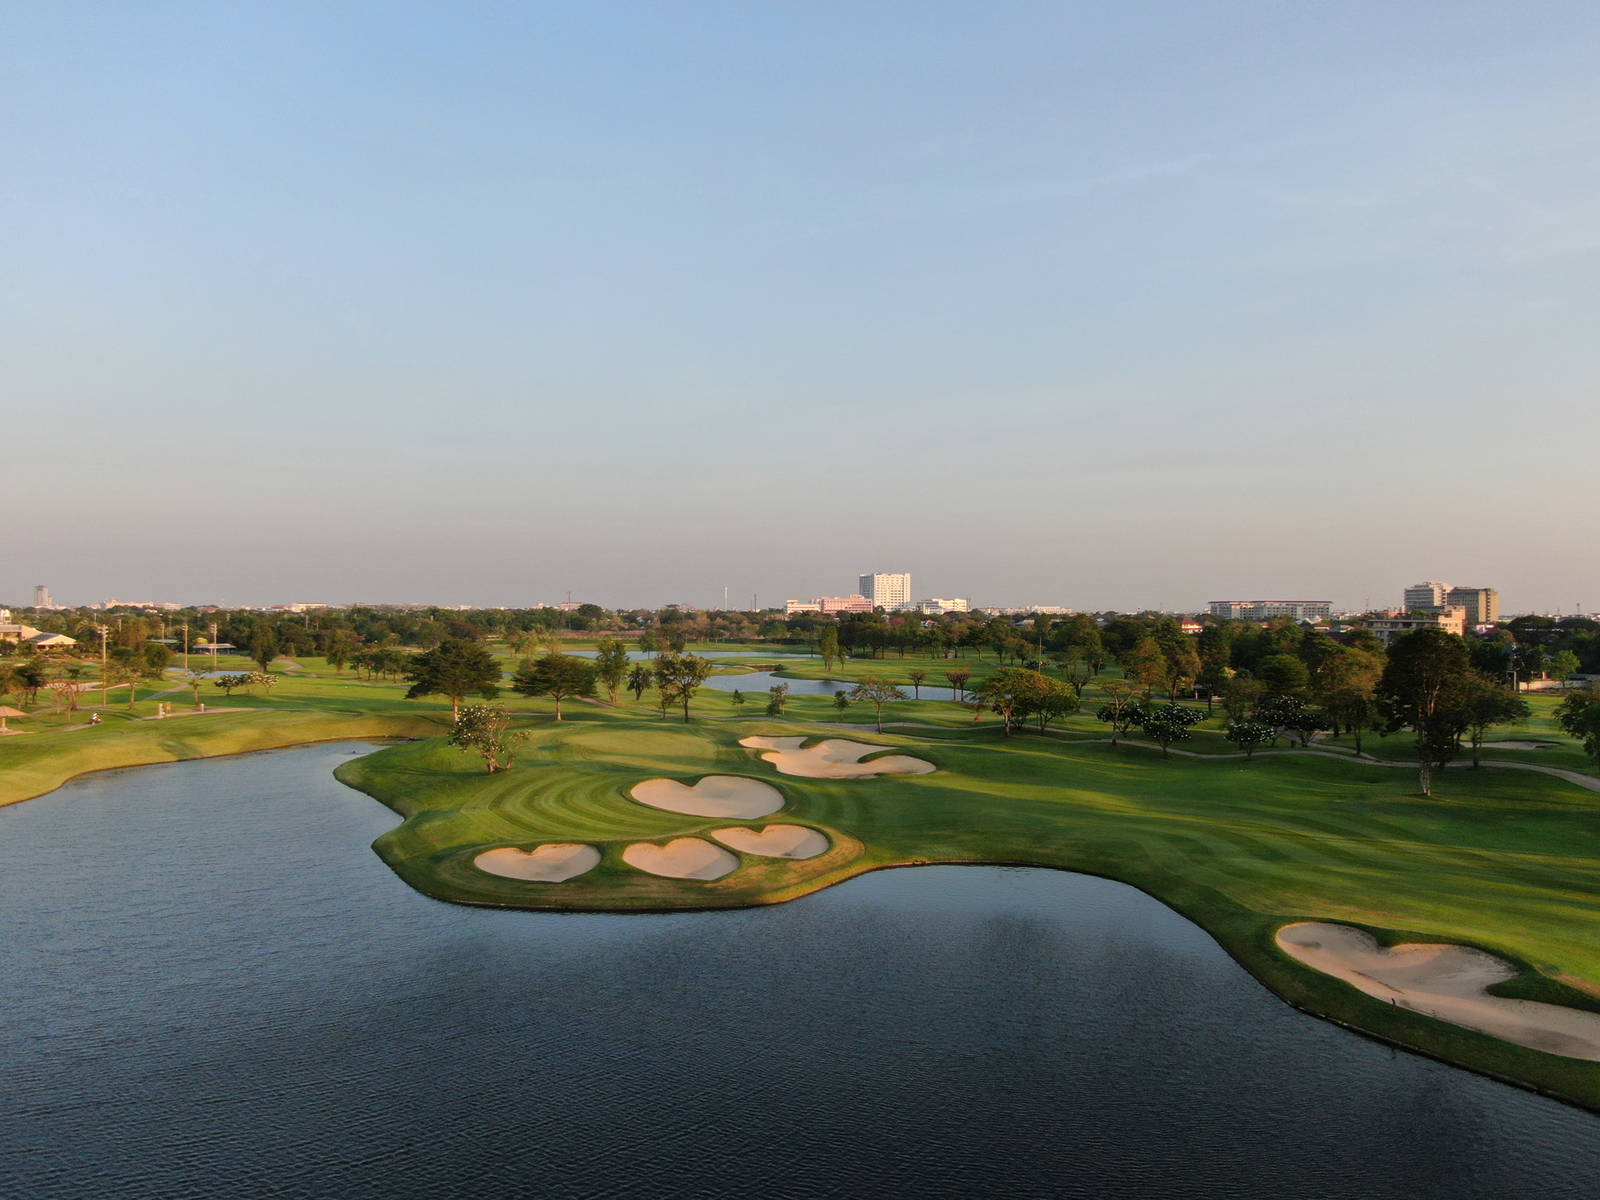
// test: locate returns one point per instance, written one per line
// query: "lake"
(759, 681)
(210, 987)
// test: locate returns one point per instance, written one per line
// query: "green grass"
(1508, 861)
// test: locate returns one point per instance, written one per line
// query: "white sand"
(834, 758)
(775, 841)
(713, 796)
(1520, 745)
(1444, 981)
(681, 858)
(554, 862)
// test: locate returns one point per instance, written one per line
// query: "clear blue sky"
(1108, 305)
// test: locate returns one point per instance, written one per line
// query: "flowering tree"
(481, 729)
(1168, 723)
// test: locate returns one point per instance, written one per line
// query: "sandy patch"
(681, 858)
(834, 758)
(554, 862)
(775, 841)
(1444, 981)
(713, 796)
(1520, 745)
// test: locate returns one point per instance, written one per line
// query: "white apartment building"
(888, 592)
(1265, 610)
(1430, 594)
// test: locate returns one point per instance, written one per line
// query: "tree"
(1122, 709)
(1564, 665)
(1353, 708)
(649, 643)
(1146, 666)
(340, 645)
(1284, 713)
(828, 646)
(1421, 690)
(1049, 700)
(1579, 716)
(555, 675)
(876, 691)
(841, 702)
(611, 665)
(194, 679)
(1168, 723)
(639, 680)
(916, 676)
(1283, 675)
(66, 693)
(263, 646)
(454, 668)
(1182, 665)
(481, 728)
(156, 658)
(231, 682)
(30, 677)
(958, 682)
(679, 676)
(1248, 733)
(779, 696)
(1007, 692)
(1241, 695)
(1485, 703)
(128, 668)
(1075, 670)
(737, 700)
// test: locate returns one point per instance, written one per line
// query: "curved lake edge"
(1253, 947)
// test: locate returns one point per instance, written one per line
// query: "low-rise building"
(831, 605)
(938, 606)
(1450, 618)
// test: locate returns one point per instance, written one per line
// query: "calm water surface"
(210, 987)
(757, 682)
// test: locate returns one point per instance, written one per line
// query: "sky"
(1102, 305)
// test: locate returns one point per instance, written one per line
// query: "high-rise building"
(886, 591)
(42, 597)
(1426, 595)
(1482, 604)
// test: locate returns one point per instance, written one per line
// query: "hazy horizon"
(1113, 308)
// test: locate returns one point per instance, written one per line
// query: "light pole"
(105, 697)
(186, 647)
(213, 649)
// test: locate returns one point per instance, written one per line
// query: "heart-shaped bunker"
(553, 862)
(713, 796)
(775, 841)
(681, 858)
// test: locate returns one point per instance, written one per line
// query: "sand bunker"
(775, 841)
(713, 796)
(1521, 745)
(681, 858)
(834, 758)
(1444, 981)
(554, 862)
